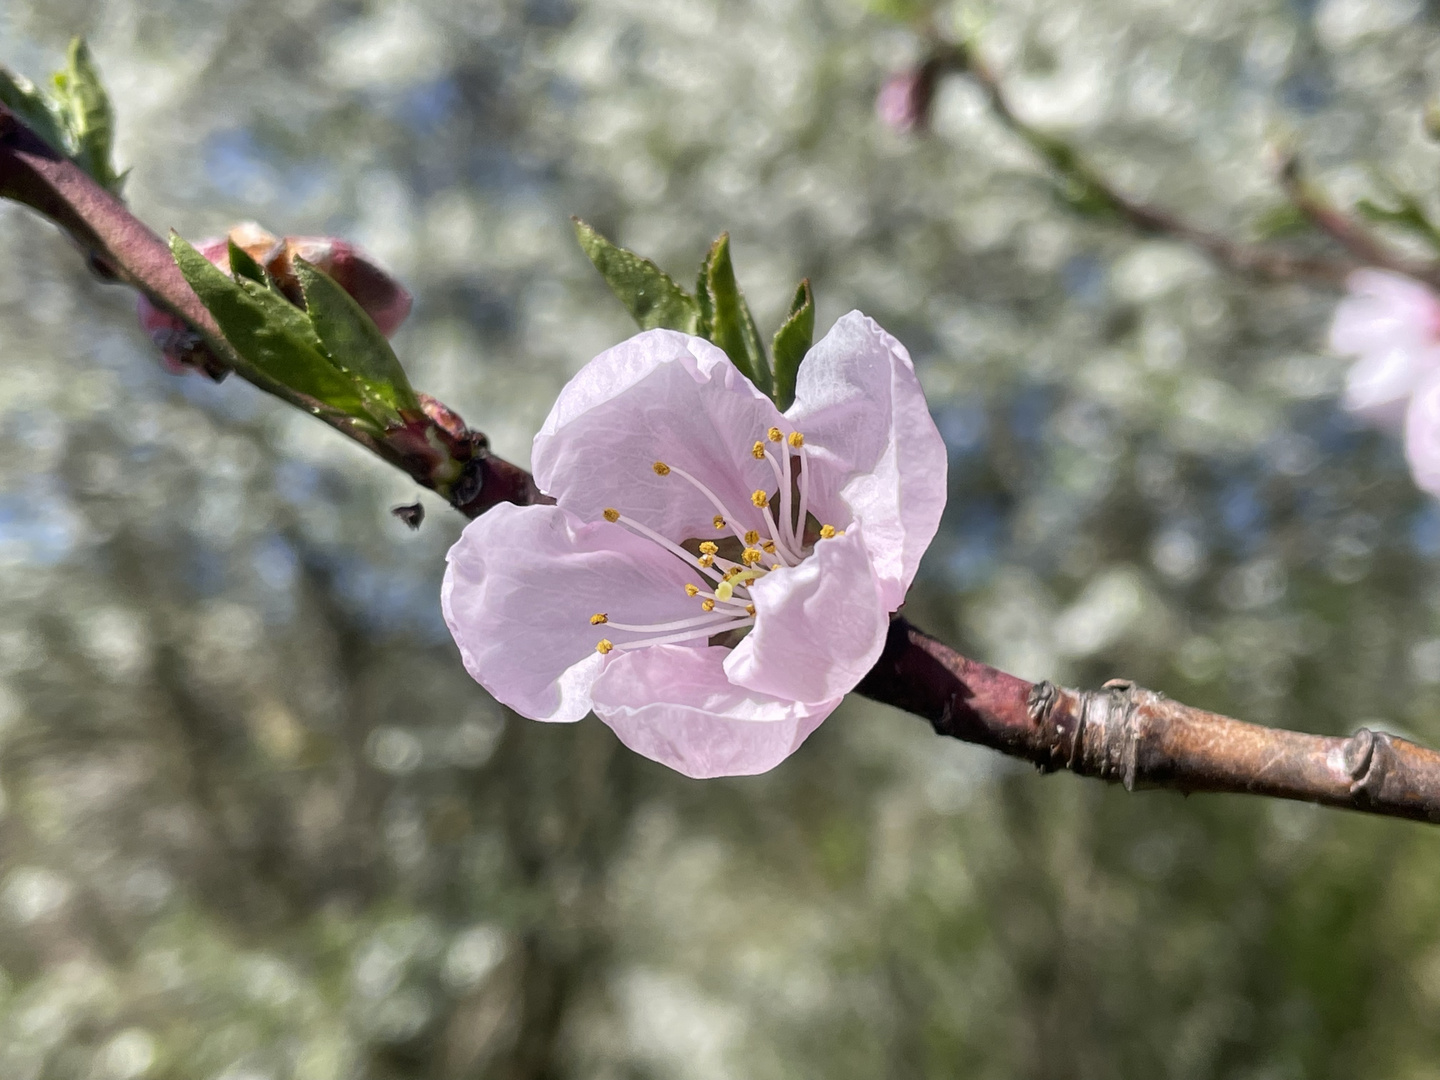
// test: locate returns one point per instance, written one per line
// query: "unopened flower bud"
(383, 298)
(903, 103)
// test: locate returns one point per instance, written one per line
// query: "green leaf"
(243, 265)
(1410, 216)
(77, 120)
(34, 108)
(650, 295)
(792, 342)
(85, 109)
(268, 331)
(352, 340)
(706, 321)
(731, 325)
(1281, 220)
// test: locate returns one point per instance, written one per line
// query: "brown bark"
(1120, 733)
(1128, 735)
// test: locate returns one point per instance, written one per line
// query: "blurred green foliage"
(75, 116)
(258, 823)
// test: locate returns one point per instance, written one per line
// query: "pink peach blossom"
(1392, 324)
(715, 575)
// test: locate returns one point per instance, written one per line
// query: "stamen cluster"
(727, 605)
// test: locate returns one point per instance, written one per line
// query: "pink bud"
(181, 348)
(903, 103)
(382, 297)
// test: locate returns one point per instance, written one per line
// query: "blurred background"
(258, 824)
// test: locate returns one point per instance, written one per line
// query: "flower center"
(770, 534)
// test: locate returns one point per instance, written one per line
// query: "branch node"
(1041, 701)
(1107, 723)
(1367, 759)
(472, 481)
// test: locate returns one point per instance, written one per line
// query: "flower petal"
(676, 706)
(871, 441)
(660, 396)
(1378, 384)
(1384, 309)
(1392, 323)
(819, 626)
(1422, 435)
(519, 590)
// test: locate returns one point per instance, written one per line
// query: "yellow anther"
(708, 547)
(796, 440)
(775, 566)
(752, 538)
(611, 514)
(750, 556)
(719, 522)
(840, 533)
(604, 645)
(759, 451)
(723, 591)
(768, 547)
(733, 572)
(774, 434)
(661, 469)
(827, 531)
(760, 499)
(750, 608)
(707, 604)
(706, 561)
(598, 618)
(691, 590)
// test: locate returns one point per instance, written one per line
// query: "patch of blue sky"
(37, 526)
(963, 425)
(1242, 513)
(1425, 529)
(297, 482)
(1029, 411)
(1085, 279)
(387, 599)
(241, 167)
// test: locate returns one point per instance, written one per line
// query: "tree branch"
(1126, 734)
(1120, 733)
(1255, 260)
(121, 247)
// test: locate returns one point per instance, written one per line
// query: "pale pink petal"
(520, 586)
(1378, 385)
(1382, 309)
(904, 100)
(660, 396)
(872, 443)
(819, 626)
(1392, 323)
(675, 706)
(1422, 435)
